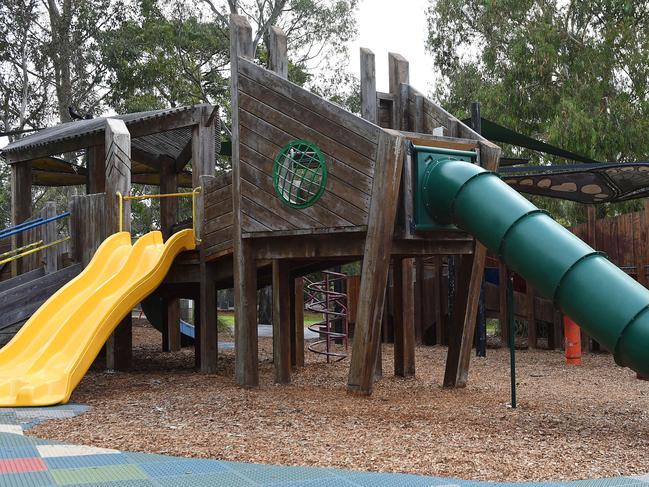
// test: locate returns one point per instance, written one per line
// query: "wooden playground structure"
(253, 230)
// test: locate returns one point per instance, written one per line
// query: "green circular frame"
(280, 186)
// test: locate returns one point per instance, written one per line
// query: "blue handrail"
(20, 225)
(34, 225)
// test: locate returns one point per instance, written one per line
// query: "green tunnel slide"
(606, 302)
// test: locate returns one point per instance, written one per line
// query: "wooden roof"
(155, 133)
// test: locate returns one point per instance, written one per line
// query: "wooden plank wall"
(87, 226)
(431, 119)
(623, 238)
(273, 112)
(217, 227)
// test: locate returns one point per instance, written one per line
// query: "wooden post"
(283, 290)
(376, 258)
(369, 112)
(245, 272)
(51, 254)
(203, 158)
(437, 289)
(476, 120)
(404, 330)
(203, 164)
(490, 156)
(481, 332)
(591, 225)
(639, 250)
(197, 333)
(118, 174)
(398, 73)
(281, 322)
(587, 343)
(378, 366)
(419, 300)
(278, 52)
(21, 205)
(168, 206)
(465, 268)
(399, 77)
(96, 179)
(368, 86)
(420, 121)
(208, 334)
(297, 331)
(171, 340)
(118, 178)
(530, 296)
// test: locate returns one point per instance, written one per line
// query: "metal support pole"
(512, 335)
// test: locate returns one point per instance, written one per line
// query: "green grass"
(226, 318)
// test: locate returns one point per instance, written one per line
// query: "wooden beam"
(368, 86)
(119, 346)
(465, 268)
(353, 245)
(21, 206)
(383, 208)
(282, 315)
(404, 326)
(278, 57)
(297, 323)
(203, 160)
(245, 272)
(489, 159)
(184, 157)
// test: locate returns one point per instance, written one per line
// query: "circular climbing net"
(300, 174)
(329, 298)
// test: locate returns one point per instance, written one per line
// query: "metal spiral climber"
(322, 297)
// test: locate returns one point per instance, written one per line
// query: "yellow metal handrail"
(193, 194)
(20, 249)
(31, 251)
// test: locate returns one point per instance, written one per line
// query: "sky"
(394, 26)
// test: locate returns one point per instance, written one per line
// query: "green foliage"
(159, 61)
(571, 73)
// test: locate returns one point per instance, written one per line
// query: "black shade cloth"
(584, 183)
(498, 133)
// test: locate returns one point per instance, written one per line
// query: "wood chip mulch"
(572, 422)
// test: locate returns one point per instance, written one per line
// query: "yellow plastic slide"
(47, 358)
